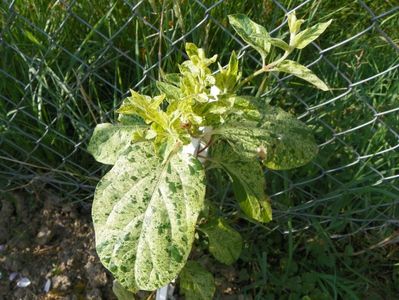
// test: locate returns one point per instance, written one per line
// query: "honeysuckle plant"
(146, 208)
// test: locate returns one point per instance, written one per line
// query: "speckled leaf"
(144, 214)
(197, 57)
(172, 78)
(110, 140)
(279, 139)
(171, 91)
(252, 33)
(298, 70)
(196, 282)
(225, 243)
(148, 108)
(308, 35)
(121, 293)
(248, 181)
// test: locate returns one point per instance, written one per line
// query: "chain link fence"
(66, 65)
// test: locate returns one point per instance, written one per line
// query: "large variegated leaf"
(279, 139)
(252, 33)
(121, 293)
(225, 243)
(196, 282)
(248, 180)
(144, 214)
(110, 140)
(298, 70)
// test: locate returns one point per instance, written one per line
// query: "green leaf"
(280, 44)
(294, 24)
(144, 215)
(298, 70)
(172, 78)
(197, 56)
(227, 78)
(109, 141)
(247, 179)
(308, 35)
(130, 120)
(171, 91)
(256, 208)
(121, 293)
(181, 112)
(252, 33)
(191, 50)
(225, 243)
(196, 282)
(244, 107)
(146, 107)
(232, 68)
(278, 138)
(218, 108)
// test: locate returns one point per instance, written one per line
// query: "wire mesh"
(65, 72)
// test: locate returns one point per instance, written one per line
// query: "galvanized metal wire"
(36, 164)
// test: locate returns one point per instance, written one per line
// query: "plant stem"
(205, 147)
(264, 69)
(252, 76)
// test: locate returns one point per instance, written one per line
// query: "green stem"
(264, 69)
(275, 63)
(252, 76)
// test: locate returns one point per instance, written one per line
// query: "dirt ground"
(49, 247)
(47, 252)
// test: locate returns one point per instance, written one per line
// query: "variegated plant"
(146, 208)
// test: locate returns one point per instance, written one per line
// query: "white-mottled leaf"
(172, 78)
(248, 180)
(278, 138)
(252, 33)
(300, 71)
(146, 107)
(305, 37)
(171, 91)
(144, 213)
(121, 293)
(110, 140)
(196, 282)
(225, 243)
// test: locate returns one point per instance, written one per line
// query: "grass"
(66, 68)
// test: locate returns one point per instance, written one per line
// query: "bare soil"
(51, 245)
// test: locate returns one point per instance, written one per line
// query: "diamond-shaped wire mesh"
(66, 66)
